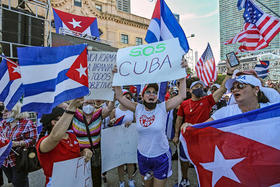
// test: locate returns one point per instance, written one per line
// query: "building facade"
(231, 23)
(118, 27)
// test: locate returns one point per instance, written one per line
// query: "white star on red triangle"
(82, 70)
(75, 23)
(16, 69)
(221, 167)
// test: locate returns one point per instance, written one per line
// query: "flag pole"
(268, 8)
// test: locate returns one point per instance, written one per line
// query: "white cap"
(247, 79)
(197, 82)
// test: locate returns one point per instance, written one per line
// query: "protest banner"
(100, 65)
(118, 146)
(72, 173)
(152, 63)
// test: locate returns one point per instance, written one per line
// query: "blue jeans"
(18, 179)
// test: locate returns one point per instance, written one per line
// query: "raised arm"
(178, 99)
(130, 105)
(60, 128)
(106, 111)
(217, 95)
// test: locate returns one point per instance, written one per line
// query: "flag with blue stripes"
(5, 148)
(11, 89)
(262, 69)
(240, 150)
(52, 75)
(164, 26)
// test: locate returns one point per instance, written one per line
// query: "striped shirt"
(79, 128)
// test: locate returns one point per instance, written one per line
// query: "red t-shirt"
(66, 149)
(196, 111)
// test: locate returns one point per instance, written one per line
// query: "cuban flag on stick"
(119, 121)
(164, 26)
(52, 75)
(241, 150)
(81, 24)
(262, 69)
(11, 89)
(5, 148)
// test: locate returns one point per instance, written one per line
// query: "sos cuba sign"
(156, 62)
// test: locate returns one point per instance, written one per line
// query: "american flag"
(205, 67)
(258, 30)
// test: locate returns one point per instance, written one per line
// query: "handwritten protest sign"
(118, 146)
(72, 173)
(156, 62)
(100, 65)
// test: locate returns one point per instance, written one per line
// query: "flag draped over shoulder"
(11, 89)
(241, 150)
(262, 69)
(258, 30)
(205, 67)
(164, 26)
(5, 148)
(71, 22)
(52, 75)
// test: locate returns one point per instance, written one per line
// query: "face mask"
(88, 109)
(150, 106)
(198, 92)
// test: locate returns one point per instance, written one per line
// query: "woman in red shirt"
(59, 145)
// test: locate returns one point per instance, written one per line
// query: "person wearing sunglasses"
(153, 152)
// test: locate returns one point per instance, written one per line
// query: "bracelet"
(230, 74)
(70, 112)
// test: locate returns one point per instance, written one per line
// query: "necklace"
(190, 106)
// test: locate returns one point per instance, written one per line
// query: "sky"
(199, 17)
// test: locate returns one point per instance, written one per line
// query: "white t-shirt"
(231, 110)
(128, 115)
(152, 140)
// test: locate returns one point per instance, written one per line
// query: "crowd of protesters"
(73, 129)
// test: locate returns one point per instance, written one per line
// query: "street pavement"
(37, 178)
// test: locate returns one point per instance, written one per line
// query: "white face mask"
(88, 109)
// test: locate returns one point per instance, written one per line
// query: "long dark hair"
(47, 118)
(262, 98)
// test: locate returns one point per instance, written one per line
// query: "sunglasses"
(239, 86)
(150, 93)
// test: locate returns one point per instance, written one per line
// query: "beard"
(150, 106)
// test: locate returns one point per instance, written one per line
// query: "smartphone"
(232, 59)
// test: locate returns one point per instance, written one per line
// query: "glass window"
(124, 38)
(78, 3)
(139, 41)
(98, 7)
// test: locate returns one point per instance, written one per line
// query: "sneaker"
(184, 183)
(131, 183)
(122, 184)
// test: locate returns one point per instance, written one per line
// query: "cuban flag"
(52, 75)
(5, 148)
(241, 150)
(164, 26)
(262, 69)
(11, 89)
(81, 24)
(119, 121)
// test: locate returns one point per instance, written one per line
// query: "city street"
(37, 178)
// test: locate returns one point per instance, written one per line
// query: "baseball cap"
(153, 85)
(197, 82)
(247, 79)
(247, 72)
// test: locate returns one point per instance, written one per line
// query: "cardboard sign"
(118, 146)
(152, 63)
(100, 65)
(72, 173)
